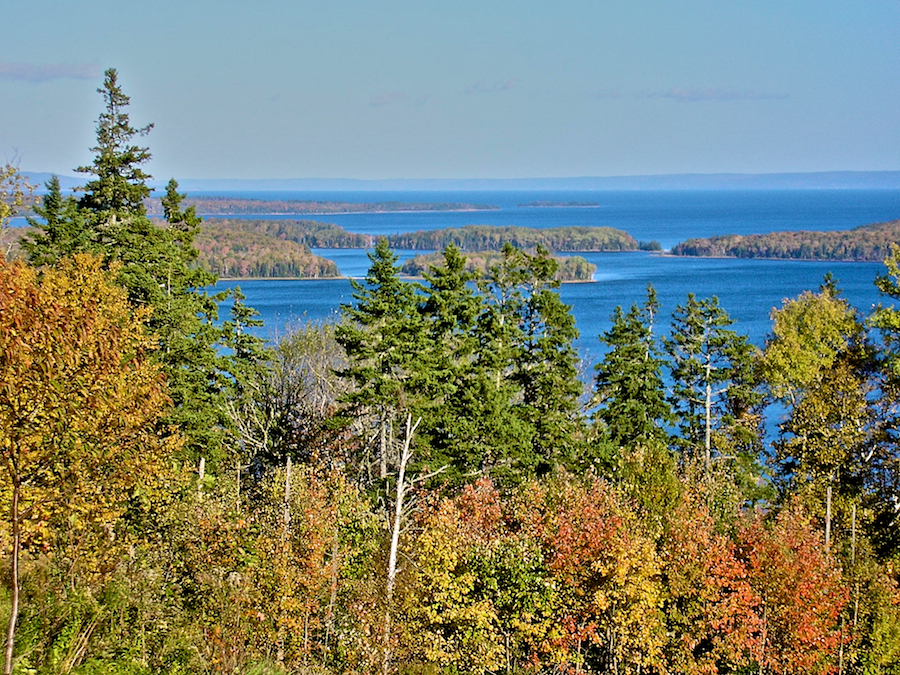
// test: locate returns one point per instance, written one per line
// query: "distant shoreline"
(249, 216)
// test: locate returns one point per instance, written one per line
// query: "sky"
(465, 89)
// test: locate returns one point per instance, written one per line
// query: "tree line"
(868, 243)
(434, 483)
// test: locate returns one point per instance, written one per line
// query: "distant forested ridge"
(228, 250)
(493, 237)
(556, 205)
(570, 268)
(238, 206)
(868, 243)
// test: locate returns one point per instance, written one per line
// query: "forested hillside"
(433, 483)
(228, 250)
(568, 268)
(866, 243)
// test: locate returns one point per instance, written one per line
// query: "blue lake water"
(665, 216)
(747, 289)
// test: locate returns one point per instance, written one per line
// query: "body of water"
(747, 289)
(668, 217)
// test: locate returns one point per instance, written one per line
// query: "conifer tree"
(547, 369)
(119, 187)
(450, 307)
(60, 229)
(384, 336)
(629, 386)
(713, 392)
(156, 266)
(527, 388)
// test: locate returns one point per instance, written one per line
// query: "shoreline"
(784, 259)
(332, 213)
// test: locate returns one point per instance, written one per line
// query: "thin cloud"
(29, 72)
(690, 95)
(395, 97)
(388, 98)
(482, 87)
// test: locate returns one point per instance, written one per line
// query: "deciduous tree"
(80, 405)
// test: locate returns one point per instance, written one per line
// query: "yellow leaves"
(14, 192)
(809, 333)
(79, 399)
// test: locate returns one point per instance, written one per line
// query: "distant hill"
(843, 180)
(868, 243)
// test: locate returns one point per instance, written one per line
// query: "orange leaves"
(606, 571)
(710, 606)
(800, 591)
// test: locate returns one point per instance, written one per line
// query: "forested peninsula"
(868, 243)
(228, 206)
(569, 268)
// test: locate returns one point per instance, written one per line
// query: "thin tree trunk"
(395, 539)
(707, 439)
(14, 573)
(383, 447)
(828, 517)
(286, 552)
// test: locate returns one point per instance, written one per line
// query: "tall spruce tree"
(527, 387)
(714, 394)
(547, 368)
(450, 308)
(156, 264)
(384, 337)
(629, 386)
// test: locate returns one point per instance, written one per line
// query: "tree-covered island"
(494, 237)
(867, 243)
(479, 263)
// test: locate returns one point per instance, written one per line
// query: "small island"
(559, 205)
(493, 237)
(868, 243)
(570, 268)
(238, 206)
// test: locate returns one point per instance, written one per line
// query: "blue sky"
(463, 89)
